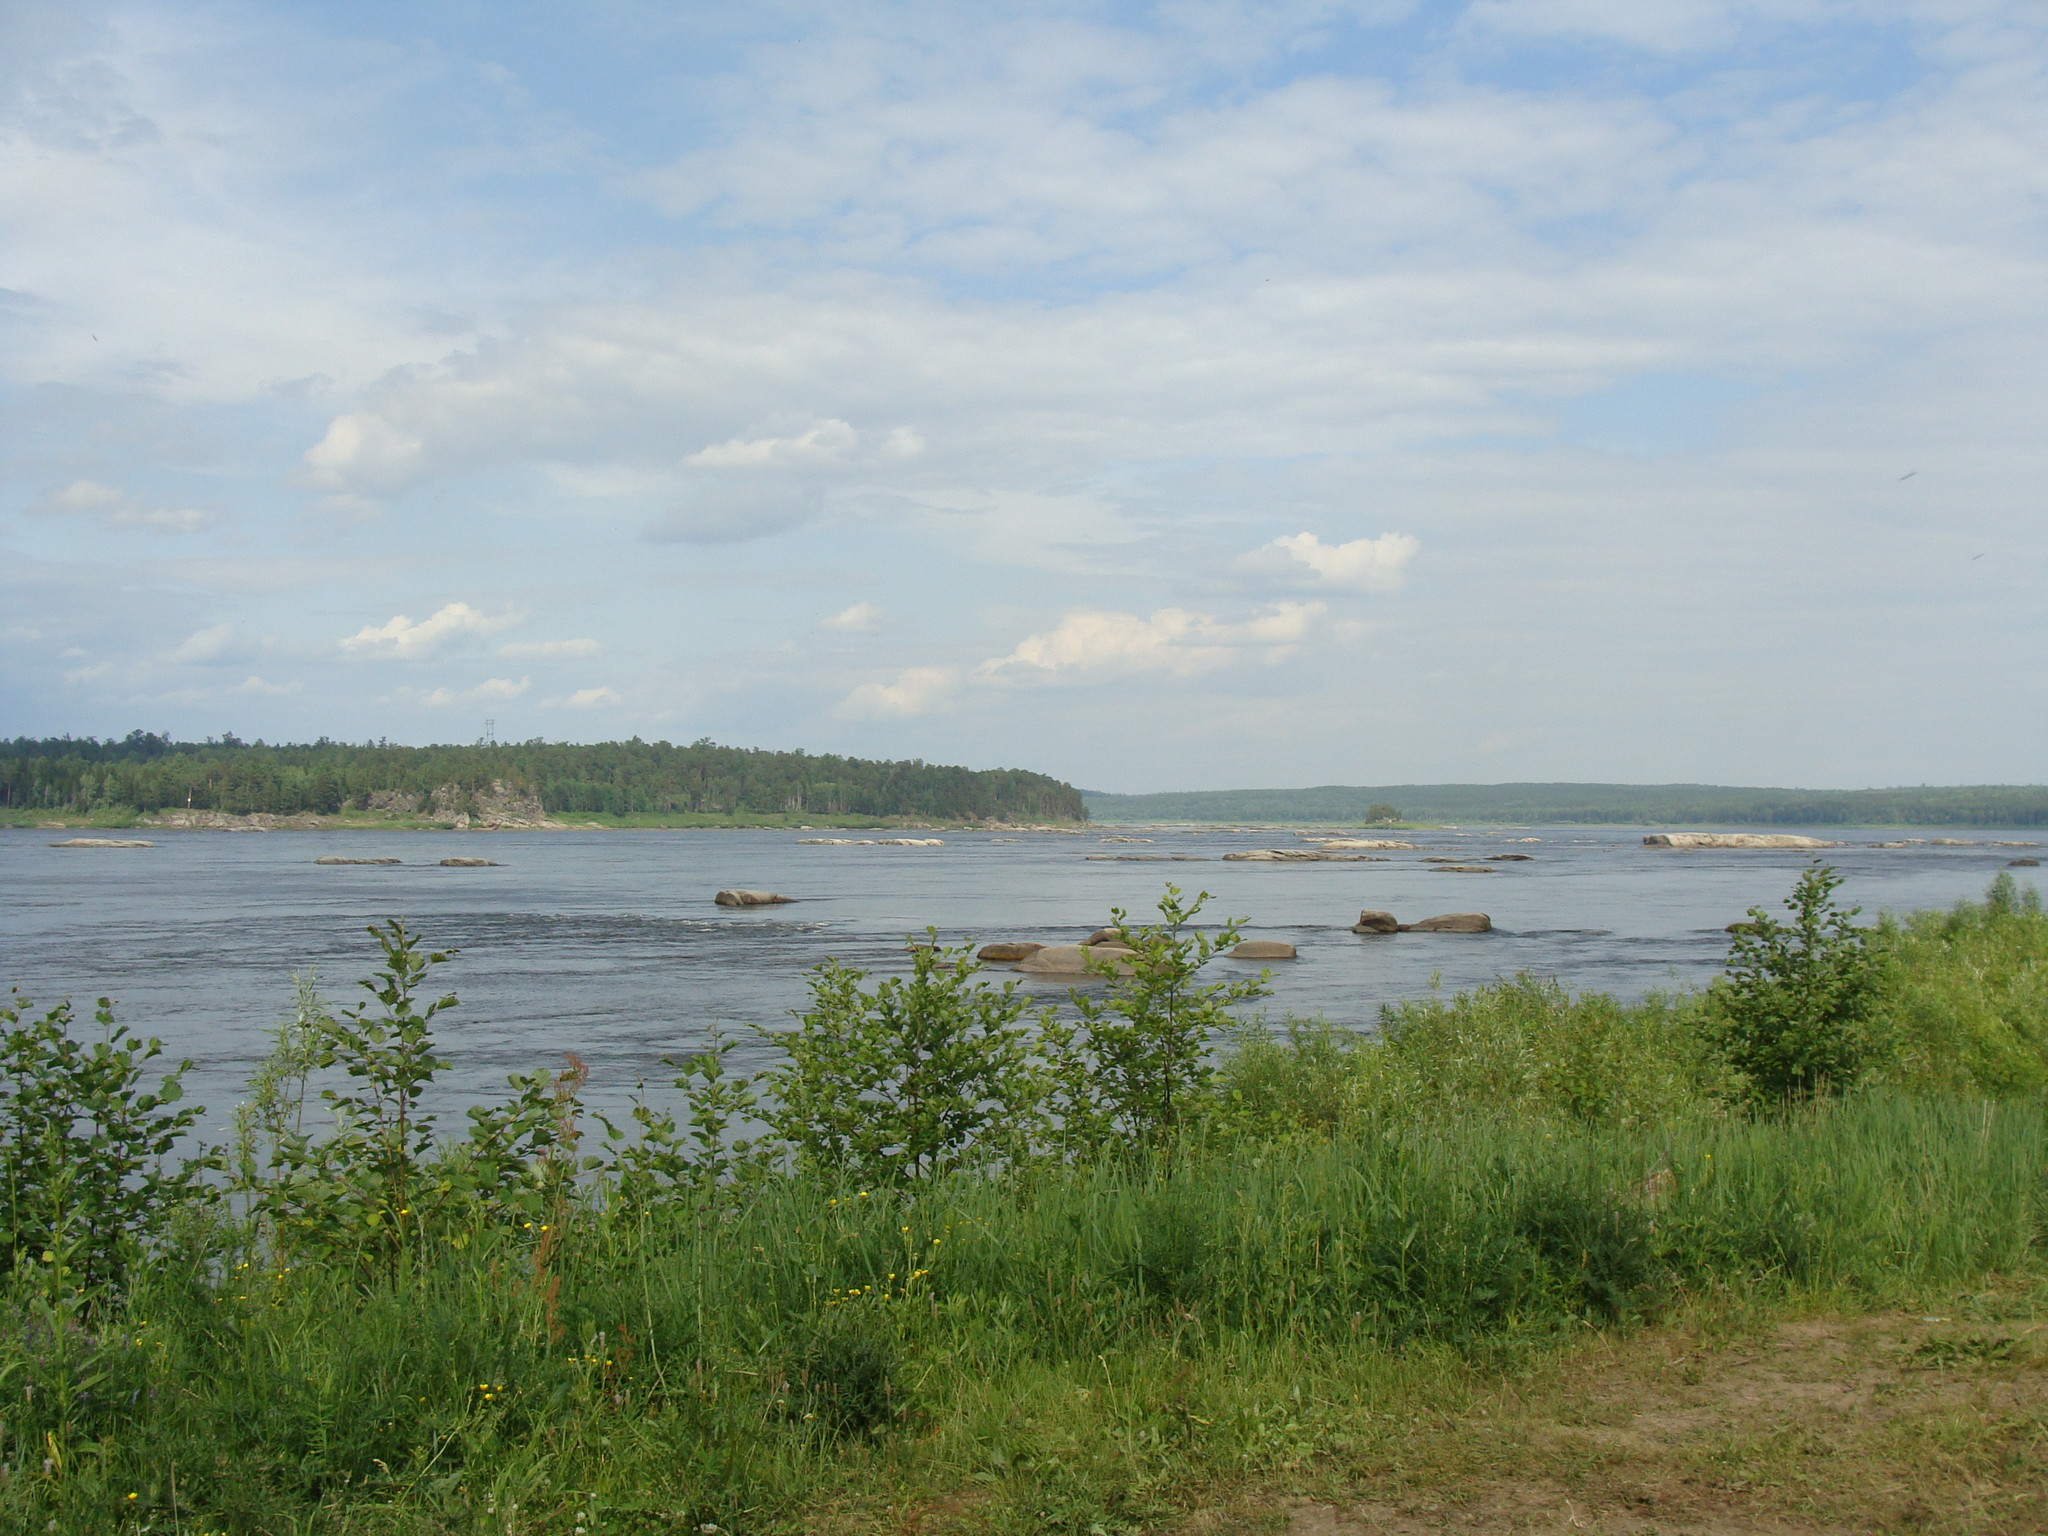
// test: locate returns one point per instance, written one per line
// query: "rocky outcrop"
(741, 898)
(910, 842)
(1371, 920)
(394, 802)
(1348, 844)
(334, 859)
(469, 863)
(1262, 949)
(103, 842)
(1733, 840)
(1007, 951)
(1452, 922)
(1465, 869)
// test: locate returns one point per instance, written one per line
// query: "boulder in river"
(1372, 920)
(1509, 858)
(1465, 869)
(1105, 936)
(1262, 949)
(1348, 844)
(2022, 863)
(1733, 840)
(468, 863)
(330, 858)
(1007, 951)
(1452, 922)
(104, 842)
(739, 898)
(1073, 960)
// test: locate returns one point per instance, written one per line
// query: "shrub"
(84, 1185)
(1794, 1011)
(1967, 995)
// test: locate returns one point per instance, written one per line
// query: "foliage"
(1967, 995)
(1380, 811)
(661, 1160)
(915, 1077)
(1794, 1011)
(1135, 1070)
(1523, 1046)
(618, 778)
(83, 1147)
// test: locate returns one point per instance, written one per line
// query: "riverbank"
(121, 818)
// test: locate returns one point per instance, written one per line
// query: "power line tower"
(490, 733)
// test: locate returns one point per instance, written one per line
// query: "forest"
(144, 772)
(1629, 805)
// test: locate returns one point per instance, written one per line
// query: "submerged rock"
(469, 863)
(739, 898)
(104, 842)
(330, 858)
(1465, 869)
(1452, 922)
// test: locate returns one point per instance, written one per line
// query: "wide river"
(608, 944)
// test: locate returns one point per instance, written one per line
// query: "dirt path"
(1876, 1423)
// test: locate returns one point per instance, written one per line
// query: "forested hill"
(145, 773)
(1982, 805)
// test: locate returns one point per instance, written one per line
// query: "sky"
(1172, 396)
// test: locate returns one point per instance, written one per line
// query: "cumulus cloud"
(592, 698)
(916, 691)
(550, 649)
(253, 687)
(364, 452)
(401, 639)
(217, 642)
(1362, 565)
(1092, 643)
(860, 619)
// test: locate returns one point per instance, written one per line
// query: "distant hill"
(144, 773)
(1977, 805)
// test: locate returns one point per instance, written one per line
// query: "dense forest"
(1984, 805)
(144, 773)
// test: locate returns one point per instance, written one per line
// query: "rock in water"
(468, 863)
(1509, 858)
(2022, 863)
(1373, 921)
(1105, 936)
(1465, 869)
(1262, 949)
(1007, 951)
(1072, 960)
(738, 898)
(1452, 922)
(334, 859)
(104, 842)
(1345, 844)
(1733, 840)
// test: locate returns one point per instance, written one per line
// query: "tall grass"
(730, 1364)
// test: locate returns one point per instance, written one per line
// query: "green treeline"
(1629, 805)
(144, 773)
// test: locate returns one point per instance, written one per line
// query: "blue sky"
(1179, 395)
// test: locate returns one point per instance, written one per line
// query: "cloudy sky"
(1166, 396)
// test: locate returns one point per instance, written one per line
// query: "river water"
(608, 944)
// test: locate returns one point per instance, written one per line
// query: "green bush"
(1796, 1011)
(1966, 1000)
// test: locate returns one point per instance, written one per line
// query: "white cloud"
(117, 509)
(1172, 640)
(860, 619)
(550, 648)
(398, 637)
(256, 687)
(593, 698)
(916, 691)
(217, 642)
(364, 452)
(1362, 565)
(829, 442)
(492, 690)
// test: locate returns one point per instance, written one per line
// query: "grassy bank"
(1338, 1246)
